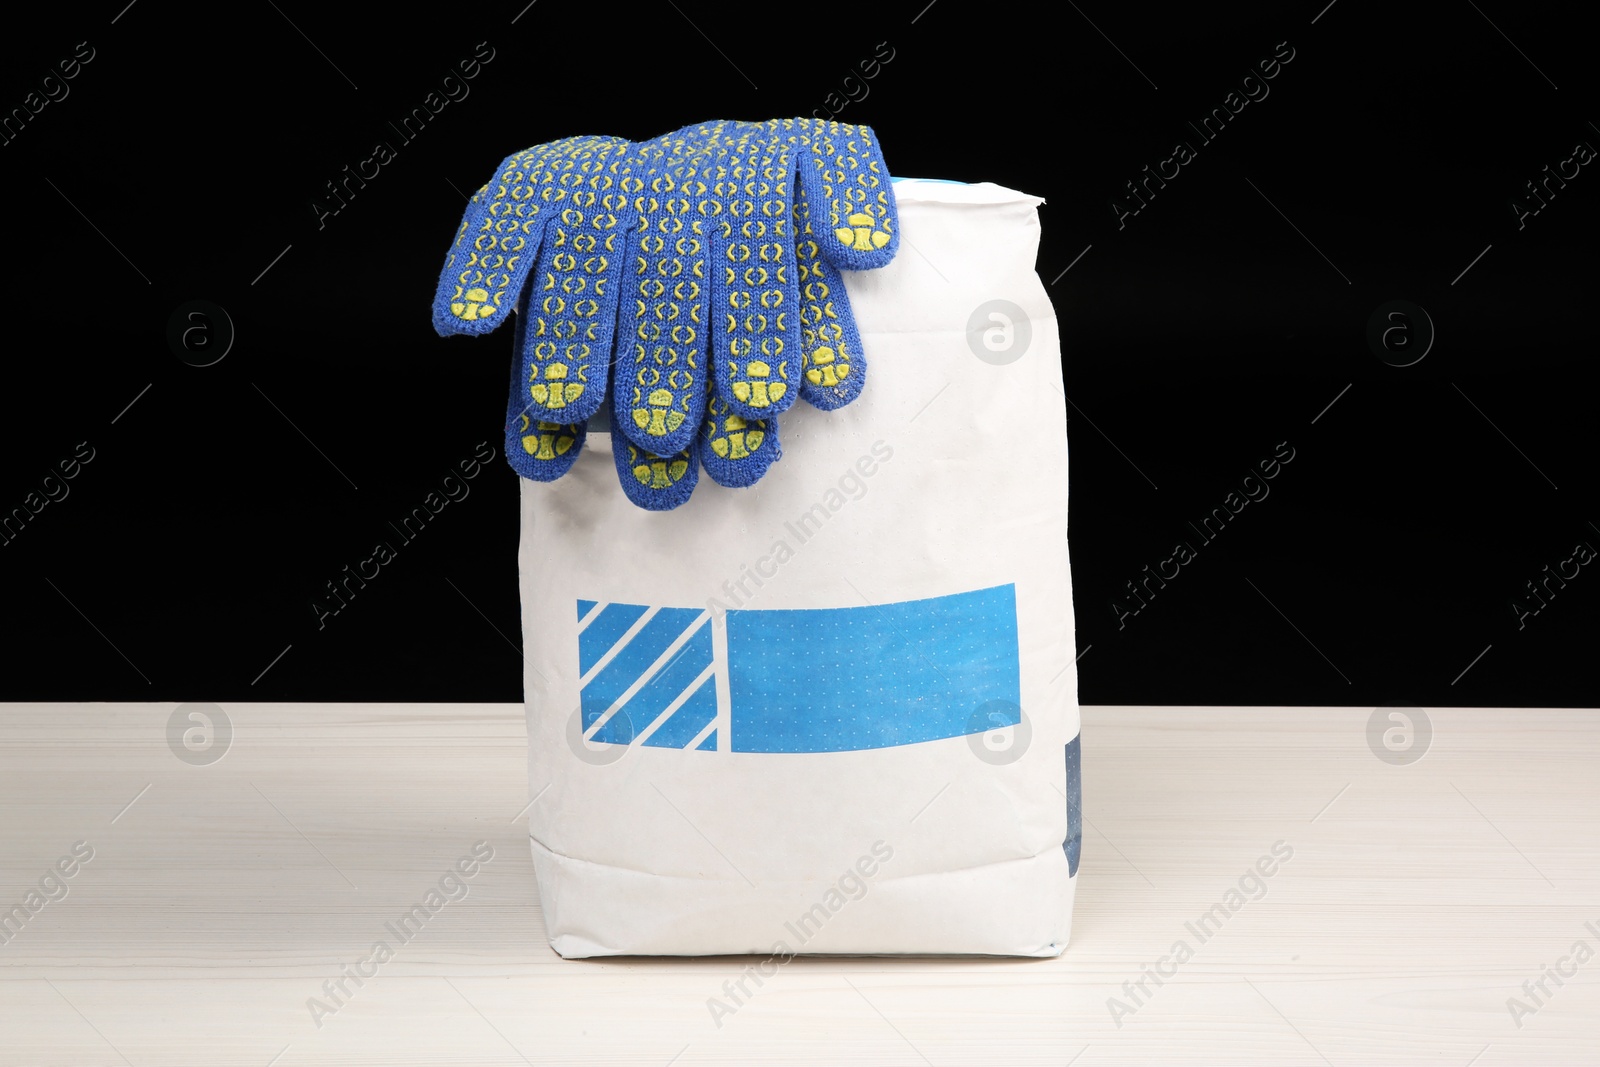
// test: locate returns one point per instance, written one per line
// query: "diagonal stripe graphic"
(625, 670)
(665, 685)
(607, 636)
(691, 712)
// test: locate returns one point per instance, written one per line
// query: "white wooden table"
(221, 898)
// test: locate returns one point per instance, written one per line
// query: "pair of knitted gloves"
(693, 278)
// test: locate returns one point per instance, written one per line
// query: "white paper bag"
(834, 712)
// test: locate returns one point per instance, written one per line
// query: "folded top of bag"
(948, 191)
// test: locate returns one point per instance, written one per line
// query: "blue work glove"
(720, 241)
(563, 213)
(780, 322)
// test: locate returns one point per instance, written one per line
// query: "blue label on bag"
(800, 680)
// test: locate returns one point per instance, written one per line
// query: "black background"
(1223, 318)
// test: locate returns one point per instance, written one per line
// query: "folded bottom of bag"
(1021, 907)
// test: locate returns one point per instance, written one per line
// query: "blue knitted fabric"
(571, 307)
(734, 450)
(537, 449)
(704, 262)
(500, 234)
(659, 399)
(754, 280)
(833, 368)
(655, 483)
(771, 343)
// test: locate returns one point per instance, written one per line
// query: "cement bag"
(835, 712)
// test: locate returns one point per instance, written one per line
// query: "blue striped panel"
(583, 608)
(845, 679)
(631, 663)
(601, 634)
(709, 744)
(687, 722)
(672, 681)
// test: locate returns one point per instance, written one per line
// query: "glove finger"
(736, 451)
(536, 449)
(755, 297)
(653, 482)
(662, 360)
(496, 239)
(496, 244)
(544, 451)
(571, 311)
(833, 369)
(847, 183)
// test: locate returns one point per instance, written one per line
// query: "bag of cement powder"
(834, 712)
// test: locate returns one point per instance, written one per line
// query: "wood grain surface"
(220, 898)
